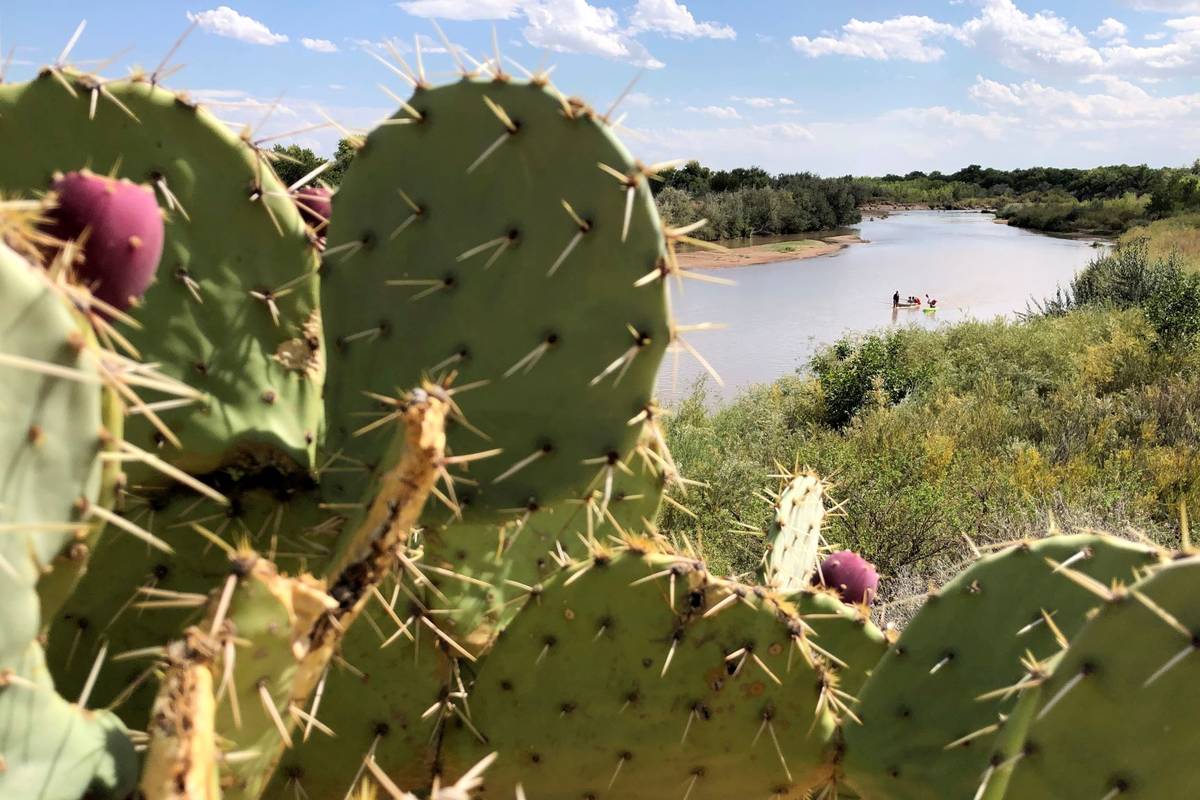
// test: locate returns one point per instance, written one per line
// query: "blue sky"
(862, 86)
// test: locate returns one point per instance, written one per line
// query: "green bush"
(1164, 288)
(1065, 214)
(853, 370)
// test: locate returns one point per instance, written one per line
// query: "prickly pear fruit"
(120, 227)
(316, 206)
(852, 576)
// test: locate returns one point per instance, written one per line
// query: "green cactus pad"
(459, 280)
(1118, 717)
(50, 444)
(967, 640)
(373, 700)
(272, 521)
(600, 688)
(49, 459)
(55, 750)
(274, 616)
(794, 537)
(262, 380)
(523, 552)
(1008, 741)
(844, 632)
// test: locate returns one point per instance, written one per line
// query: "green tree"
(293, 162)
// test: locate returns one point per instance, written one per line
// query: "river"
(778, 314)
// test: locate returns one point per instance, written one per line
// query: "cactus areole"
(852, 576)
(120, 229)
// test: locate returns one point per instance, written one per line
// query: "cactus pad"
(233, 311)
(845, 632)
(55, 750)
(373, 699)
(481, 569)
(636, 675)
(49, 457)
(50, 446)
(794, 536)
(967, 640)
(126, 572)
(1117, 717)
(441, 260)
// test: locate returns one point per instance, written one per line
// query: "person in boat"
(932, 301)
(896, 299)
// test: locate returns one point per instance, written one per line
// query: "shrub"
(851, 370)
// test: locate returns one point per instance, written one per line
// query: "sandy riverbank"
(766, 253)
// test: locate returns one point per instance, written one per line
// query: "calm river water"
(779, 313)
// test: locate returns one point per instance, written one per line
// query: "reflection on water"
(779, 313)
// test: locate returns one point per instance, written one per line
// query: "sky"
(854, 86)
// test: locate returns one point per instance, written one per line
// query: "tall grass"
(1178, 236)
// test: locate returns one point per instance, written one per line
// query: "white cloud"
(639, 100)
(993, 93)
(904, 38)
(1110, 29)
(576, 26)
(224, 21)
(1031, 43)
(763, 102)
(319, 45)
(935, 118)
(1119, 105)
(674, 19)
(1169, 6)
(1179, 54)
(567, 26)
(720, 112)
(462, 9)
(927, 139)
(1157, 36)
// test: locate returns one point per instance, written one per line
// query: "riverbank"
(872, 210)
(766, 253)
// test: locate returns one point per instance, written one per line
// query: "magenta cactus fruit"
(121, 229)
(850, 575)
(316, 206)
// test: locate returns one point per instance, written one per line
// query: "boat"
(930, 310)
(908, 305)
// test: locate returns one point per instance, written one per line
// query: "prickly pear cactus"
(233, 311)
(136, 595)
(844, 636)
(449, 601)
(49, 456)
(1116, 717)
(481, 570)
(794, 536)
(633, 672)
(481, 231)
(926, 731)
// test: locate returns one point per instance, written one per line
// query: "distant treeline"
(745, 202)
(1101, 199)
(749, 201)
